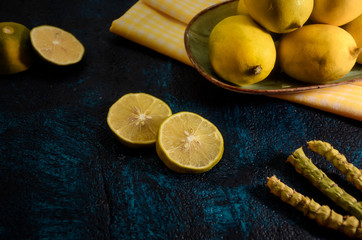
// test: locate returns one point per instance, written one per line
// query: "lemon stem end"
(256, 70)
(356, 52)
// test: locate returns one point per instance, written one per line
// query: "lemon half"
(188, 143)
(136, 117)
(56, 45)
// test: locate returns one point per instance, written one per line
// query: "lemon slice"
(136, 117)
(188, 143)
(56, 45)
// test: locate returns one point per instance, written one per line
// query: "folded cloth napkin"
(160, 25)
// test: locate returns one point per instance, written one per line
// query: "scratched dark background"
(64, 176)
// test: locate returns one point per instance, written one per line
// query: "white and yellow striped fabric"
(160, 25)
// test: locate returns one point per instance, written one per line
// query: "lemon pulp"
(56, 45)
(136, 117)
(188, 143)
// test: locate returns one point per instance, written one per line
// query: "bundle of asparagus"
(324, 215)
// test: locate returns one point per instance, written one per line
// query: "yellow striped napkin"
(160, 25)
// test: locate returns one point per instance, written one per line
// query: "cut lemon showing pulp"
(136, 117)
(188, 143)
(56, 45)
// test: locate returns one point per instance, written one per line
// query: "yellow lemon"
(15, 48)
(240, 51)
(189, 143)
(56, 45)
(336, 12)
(317, 53)
(136, 117)
(355, 29)
(241, 9)
(280, 16)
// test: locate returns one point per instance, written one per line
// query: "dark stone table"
(63, 175)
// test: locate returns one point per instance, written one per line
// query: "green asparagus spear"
(353, 174)
(319, 179)
(324, 216)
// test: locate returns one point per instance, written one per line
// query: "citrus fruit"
(240, 51)
(188, 143)
(280, 16)
(317, 53)
(56, 45)
(355, 29)
(336, 12)
(241, 8)
(136, 117)
(15, 48)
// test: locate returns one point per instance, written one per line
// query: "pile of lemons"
(18, 45)
(314, 41)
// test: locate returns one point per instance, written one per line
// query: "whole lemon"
(240, 51)
(336, 12)
(280, 16)
(355, 29)
(241, 8)
(317, 53)
(15, 48)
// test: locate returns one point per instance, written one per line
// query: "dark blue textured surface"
(64, 176)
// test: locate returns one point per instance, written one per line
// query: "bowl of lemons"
(259, 47)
